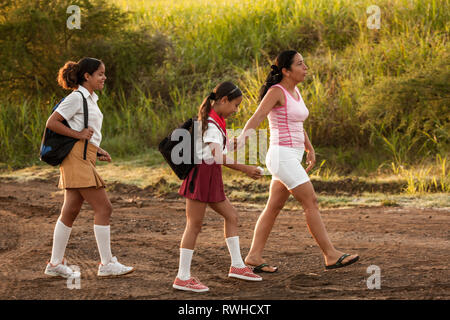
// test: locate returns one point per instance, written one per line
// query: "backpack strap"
(86, 118)
(192, 182)
(223, 133)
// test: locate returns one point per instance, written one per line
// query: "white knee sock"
(60, 238)
(235, 252)
(102, 235)
(184, 269)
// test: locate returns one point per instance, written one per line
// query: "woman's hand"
(236, 143)
(102, 155)
(252, 171)
(310, 159)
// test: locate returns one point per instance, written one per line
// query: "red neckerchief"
(220, 120)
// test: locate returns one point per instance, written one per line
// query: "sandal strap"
(339, 262)
(261, 266)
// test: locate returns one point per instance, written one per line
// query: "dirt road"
(410, 246)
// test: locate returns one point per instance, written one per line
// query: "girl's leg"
(277, 198)
(195, 211)
(229, 213)
(71, 206)
(238, 269)
(70, 209)
(99, 201)
(305, 194)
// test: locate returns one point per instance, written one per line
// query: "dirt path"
(410, 246)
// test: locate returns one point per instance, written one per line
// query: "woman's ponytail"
(283, 60)
(275, 76)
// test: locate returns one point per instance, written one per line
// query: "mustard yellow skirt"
(77, 172)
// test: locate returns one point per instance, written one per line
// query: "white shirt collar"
(86, 93)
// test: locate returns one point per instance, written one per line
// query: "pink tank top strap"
(284, 92)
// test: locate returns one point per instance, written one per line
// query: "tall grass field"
(379, 99)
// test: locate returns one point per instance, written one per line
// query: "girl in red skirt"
(204, 186)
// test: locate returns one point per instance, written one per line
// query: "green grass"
(147, 172)
(366, 90)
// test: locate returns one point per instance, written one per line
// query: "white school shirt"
(71, 109)
(212, 134)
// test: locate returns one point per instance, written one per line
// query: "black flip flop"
(339, 263)
(259, 269)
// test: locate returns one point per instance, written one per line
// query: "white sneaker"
(61, 270)
(113, 268)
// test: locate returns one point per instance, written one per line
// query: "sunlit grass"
(145, 172)
(235, 40)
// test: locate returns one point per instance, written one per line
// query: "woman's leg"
(70, 209)
(277, 198)
(306, 195)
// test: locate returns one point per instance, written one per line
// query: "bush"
(35, 43)
(410, 114)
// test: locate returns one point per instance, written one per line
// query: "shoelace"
(194, 281)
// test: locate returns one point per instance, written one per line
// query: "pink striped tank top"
(286, 122)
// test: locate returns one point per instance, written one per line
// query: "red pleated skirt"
(208, 183)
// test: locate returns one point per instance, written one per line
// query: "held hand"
(232, 144)
(236, 143)
(86, 134)
(253, 172)
(310, 160)
(103, 155)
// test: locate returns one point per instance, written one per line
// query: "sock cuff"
(100, 227)
(186, 250)
(232, 238)
(61, 224)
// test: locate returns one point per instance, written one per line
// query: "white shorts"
(285, 165)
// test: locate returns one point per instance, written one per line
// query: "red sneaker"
(192, 284)
(244, 273)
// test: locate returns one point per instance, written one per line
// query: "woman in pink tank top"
(282, 104)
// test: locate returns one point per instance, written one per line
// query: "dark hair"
(225, 89)
(72, 73)
(283, 60)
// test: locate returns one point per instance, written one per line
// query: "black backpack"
(55, 147)
(167, 145)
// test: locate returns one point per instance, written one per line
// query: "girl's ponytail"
(68, 75)
(72, 73)
(225, 89)
(204, 111)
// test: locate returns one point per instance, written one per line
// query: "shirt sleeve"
(71, 105)
(212, 134)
